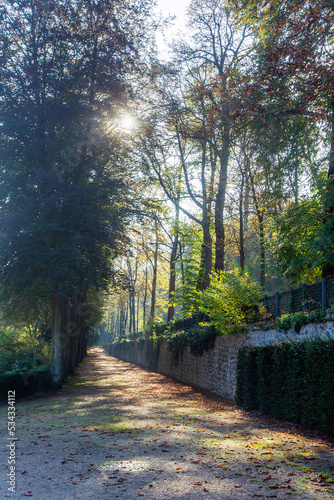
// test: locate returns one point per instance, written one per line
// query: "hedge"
(24, 383)
(292, 380)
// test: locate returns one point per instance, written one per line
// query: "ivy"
(197, 339)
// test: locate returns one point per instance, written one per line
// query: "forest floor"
(117, 431)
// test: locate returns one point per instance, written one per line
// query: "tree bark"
(220, 202)
(241, 224)
(328, 270)
(206, 255)
(145, 298)
(172, 266)
(59, 340)
(155, 272)
(262, 251)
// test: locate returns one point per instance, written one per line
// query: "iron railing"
(304, 298)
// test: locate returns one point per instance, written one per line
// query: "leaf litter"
(193, 443)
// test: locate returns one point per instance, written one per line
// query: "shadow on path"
(121, 432)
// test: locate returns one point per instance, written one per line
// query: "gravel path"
(117, 431)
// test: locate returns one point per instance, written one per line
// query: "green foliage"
(298, 319)
(292, 380)
(231, 301)
(188, 292)
(196, 339)
(22, 351)
(297, 241)
(246, 378)
(65, 190)
(24, 383)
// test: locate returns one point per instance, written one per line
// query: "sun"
(127, 123)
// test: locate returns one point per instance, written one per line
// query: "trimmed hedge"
(292, 380)
(24, 383)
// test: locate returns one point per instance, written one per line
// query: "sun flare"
(127, 123)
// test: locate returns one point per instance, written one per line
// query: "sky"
(175, 8)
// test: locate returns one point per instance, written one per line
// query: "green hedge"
(292, 380)
(24, 383)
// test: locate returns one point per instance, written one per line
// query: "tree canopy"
(161, 180)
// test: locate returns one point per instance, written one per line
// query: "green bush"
(22, 351)
(24, 383)
(231, 301)
(247, 372)
(292, 380)
(298, 319)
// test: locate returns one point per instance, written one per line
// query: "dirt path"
(119, 432)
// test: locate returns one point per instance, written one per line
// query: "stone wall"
(215, 370)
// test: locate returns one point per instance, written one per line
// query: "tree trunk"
(137, 312)
(328, 270)
(241, 224)
(206, 257)
(58, 340)
(132, 306)
(154, 280)
(262, 251)
(206, 264)
(220, 202)
(172, 265)
(67, 337)
(172, 280)
(145, 298)
(260, 218)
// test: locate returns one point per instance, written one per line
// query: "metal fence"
(305, 298)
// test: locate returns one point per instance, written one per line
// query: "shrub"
(231, 301)
(298, 319)
(292, 380)
(21, 351)
(25, 383)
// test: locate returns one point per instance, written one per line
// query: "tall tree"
(63, 205)
(222, 49)
(296, 70)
